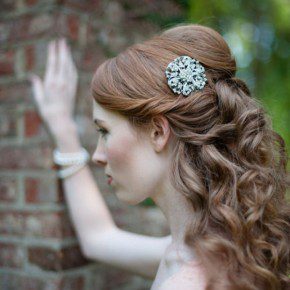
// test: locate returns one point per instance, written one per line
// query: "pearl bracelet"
(71, 158)
(77, 159)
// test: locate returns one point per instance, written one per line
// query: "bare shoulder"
(190, 277)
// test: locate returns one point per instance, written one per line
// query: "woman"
(176, 126)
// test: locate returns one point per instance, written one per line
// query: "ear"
(159, 133)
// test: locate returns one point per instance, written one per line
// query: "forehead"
(107, 116)
(114, 120)
(98, 111)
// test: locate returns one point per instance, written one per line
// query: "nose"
(99, 156)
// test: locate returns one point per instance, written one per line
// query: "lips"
(110, 179)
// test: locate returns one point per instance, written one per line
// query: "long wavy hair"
(228, 161)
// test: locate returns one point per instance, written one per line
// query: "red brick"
(29, 57)
(77, 282)
(33, 156)
(10, 281)
(16, 93)
(91, 35)
(18, 28)
(27, 27)
(10, 256)
(92, 58)
(36, 224)
(114, 278)
(36, 57)
(58, 281)
(31, 2)
(42, 190)
(11, 223)
(53, 225)
(41, 24)
(93, 6)
(7, 62)
(56, 260)
(8, 125)
(8, 189)
(73, 23)
(32, 124)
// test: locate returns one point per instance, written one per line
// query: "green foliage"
(148, 202)
(258, 33)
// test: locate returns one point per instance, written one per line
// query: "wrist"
(59, 125)
(66, 137)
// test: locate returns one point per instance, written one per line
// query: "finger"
(37, 88)
(63, 58)
(69, 58)
(51, 61)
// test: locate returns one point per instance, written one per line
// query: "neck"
(177, 210)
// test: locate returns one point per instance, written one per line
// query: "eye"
(103, 132)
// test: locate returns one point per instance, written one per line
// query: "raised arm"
(98, 235)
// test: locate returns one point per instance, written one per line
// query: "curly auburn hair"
(228, 161)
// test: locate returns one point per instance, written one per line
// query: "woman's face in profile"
(133, 164)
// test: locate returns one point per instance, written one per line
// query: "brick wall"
(38, 245)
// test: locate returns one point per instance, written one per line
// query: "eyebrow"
(98, 121)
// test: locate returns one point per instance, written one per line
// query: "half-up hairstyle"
(228, 161)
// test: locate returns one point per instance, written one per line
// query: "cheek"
(119, 152)
(128, 162)
(133, 167)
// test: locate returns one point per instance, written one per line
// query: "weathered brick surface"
(29, 57)
(72, 282)
(11, 281)
(54, 224)
(91, 58)
(7, 62)
(56, 260)
(26, 27)
(39, 190)
(31, 200)
(8, 189)
(87, 6)
(8, 124)
(32, 124)
(15, 93)
(39, 3)
(33, 156)
(11, 256)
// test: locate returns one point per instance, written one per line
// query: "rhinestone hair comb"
(185, 75)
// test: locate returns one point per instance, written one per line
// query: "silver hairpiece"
(185, 75)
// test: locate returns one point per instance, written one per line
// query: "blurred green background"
(258, 33)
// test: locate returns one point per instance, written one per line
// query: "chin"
(126, 198)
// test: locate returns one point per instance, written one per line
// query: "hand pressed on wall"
(55, 95)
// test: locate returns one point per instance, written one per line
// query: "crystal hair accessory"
(185, 75)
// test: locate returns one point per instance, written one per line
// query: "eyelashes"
(103, 132)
